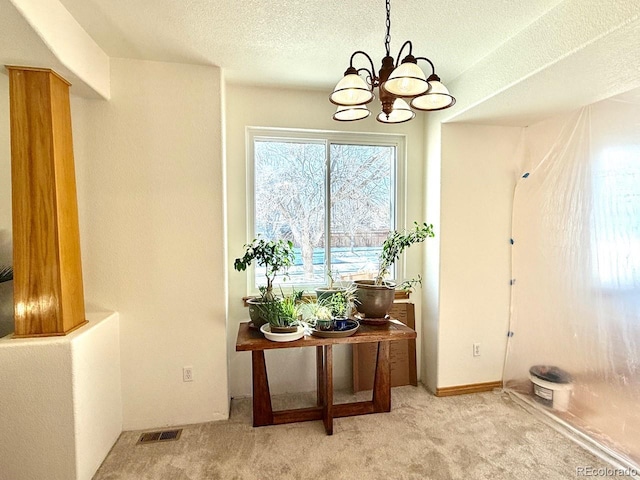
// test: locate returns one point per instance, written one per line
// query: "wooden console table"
(263, 414)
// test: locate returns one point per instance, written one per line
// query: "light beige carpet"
(481, 436)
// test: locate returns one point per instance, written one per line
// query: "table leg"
(327, 414)
(262, 411)
(320, 376)
(382, 380)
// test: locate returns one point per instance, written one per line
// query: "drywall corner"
(69, 42)
(431, 283)
(97, 394)
(59, 410)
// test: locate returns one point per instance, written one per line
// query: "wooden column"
(47, 282)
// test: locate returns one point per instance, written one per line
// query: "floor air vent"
(163, 436)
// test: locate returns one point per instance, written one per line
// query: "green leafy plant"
(275, 255)
(313, 310)
(396, 243)
(289, 308)
(282, 311)
(410, 285)
(6, 274)
(324, 294)
(269, 310)
(340, 303)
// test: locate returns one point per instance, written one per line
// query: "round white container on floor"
(558, 393)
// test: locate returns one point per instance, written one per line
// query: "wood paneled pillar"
(47, 283)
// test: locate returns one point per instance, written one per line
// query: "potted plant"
(325, 293)
(276, 256)
(6, 274)
(6, 307)
(341, 305)
(283, 317)
(317, 314)
(375, 297)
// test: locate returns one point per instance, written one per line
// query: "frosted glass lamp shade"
(437, 98)
(351, 113)
(350, 91)
(401, 113)
(407, 80)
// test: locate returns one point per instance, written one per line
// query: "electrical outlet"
(476, 349)
(187, 374)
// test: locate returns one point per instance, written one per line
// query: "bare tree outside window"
(291, 187)
(290, 196)
(361, 206)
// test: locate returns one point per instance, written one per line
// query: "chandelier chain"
(387, 39)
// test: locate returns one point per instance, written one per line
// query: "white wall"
(36, 410)
(294, 370)
(479, 168)
(6, 252)
(61, 404)
(97, 393)
(5, 170)
(431, 283)
(149, 174)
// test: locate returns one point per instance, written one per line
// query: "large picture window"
(335, 196)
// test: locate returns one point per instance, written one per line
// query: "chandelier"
(395, 84)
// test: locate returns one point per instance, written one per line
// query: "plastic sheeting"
(576, 269)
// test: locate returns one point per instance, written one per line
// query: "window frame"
(326, 137)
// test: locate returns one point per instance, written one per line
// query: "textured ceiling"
(570, 83)
(506, 61)
(304, 43)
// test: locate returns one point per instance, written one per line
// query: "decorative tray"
(351, 328)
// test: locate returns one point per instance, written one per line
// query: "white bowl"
(282, 337)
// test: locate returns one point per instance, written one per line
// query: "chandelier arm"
(370, 77)
(408, 42)
(433, 69)
(373, 69)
